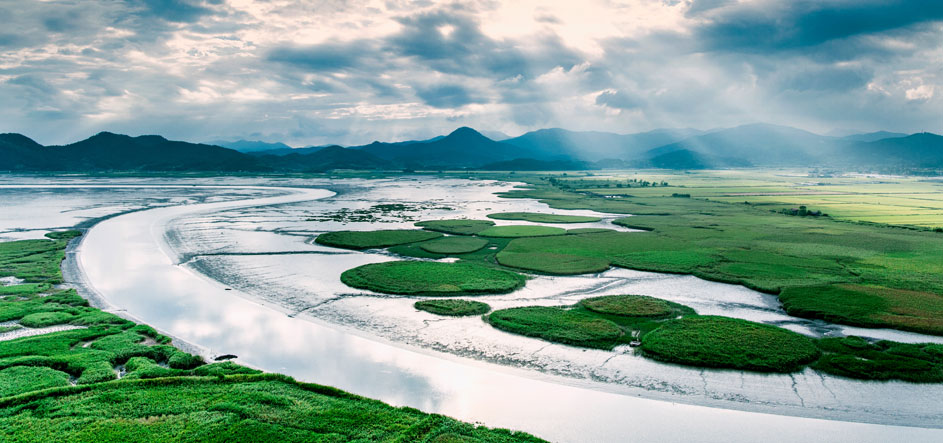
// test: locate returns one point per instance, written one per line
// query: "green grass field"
(729, 343)
(895, 275)
(374, 239)
(454, 245)
(64, 386)
(537, 217)
(631, 306)
(558, 325)
(521, 231)
(854, 357)
(431, 278)
(906, 201)
(458, 227)
(552, 263)
(453, 307)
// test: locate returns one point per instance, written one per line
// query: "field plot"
(908, 201)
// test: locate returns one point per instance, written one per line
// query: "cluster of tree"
(681, 195)
(803, 211)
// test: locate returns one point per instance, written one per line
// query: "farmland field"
(907, 201)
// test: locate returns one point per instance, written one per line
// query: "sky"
(350, 72)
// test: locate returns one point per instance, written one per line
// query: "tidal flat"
(267, 254)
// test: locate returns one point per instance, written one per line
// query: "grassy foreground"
(64, 386)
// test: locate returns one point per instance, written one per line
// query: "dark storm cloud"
(183, 11)
(787, 25)
(453, 43)
(446, 96)
(328, 57)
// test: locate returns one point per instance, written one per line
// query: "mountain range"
(761, 145)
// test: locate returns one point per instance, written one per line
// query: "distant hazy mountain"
(464, 147)
(757, 144)
(872, 136)
(495, 135)
(250, 146)
(923, 150)
(324, 159)
(592, 145)
(749, 145)
(287, 151)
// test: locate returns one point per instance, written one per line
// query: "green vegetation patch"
(453, 307)
(855, 357)
(558, 325)
(35, 261)
(551, 263)
(454, 245)
(634, 306)
(458, 227)
(431, 278)
(867, 306)
(19, 379)
(166, 394)
(884, 276)
(374, 239)
(537, 217)
(256, 407)
(521, 231)
(43, 319)
(587, 230)
(722, 342)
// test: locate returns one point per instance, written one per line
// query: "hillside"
(760, 145)
(251, 146)
(593, 146)
(464, 147)
(325, 159)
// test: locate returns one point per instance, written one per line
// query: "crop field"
(906, 201)
(65, 385)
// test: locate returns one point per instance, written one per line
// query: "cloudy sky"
(319, 71)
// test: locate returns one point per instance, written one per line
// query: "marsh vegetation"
(109, 379)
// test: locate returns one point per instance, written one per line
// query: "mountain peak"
(12, 138)
(466, 132)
